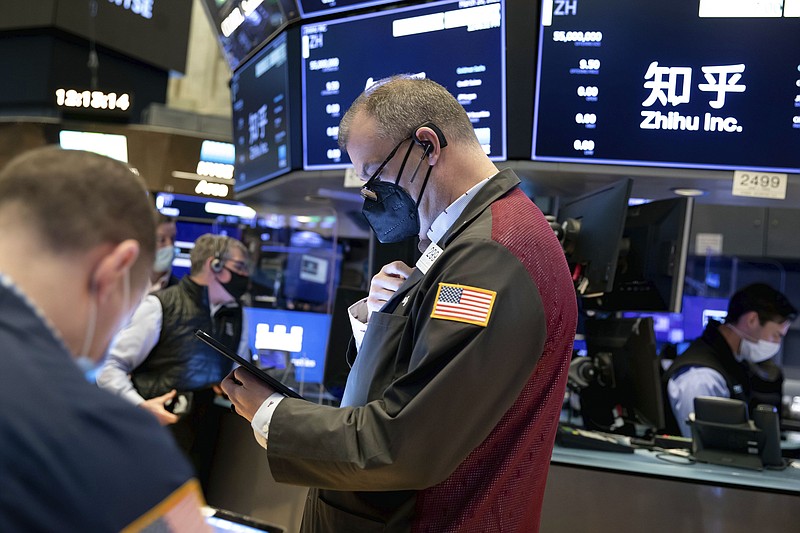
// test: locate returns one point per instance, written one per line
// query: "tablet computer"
(257, 372)
(222, 521)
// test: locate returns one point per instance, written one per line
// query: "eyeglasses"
(240, 267)
(365, 191)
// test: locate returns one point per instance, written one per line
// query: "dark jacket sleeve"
(460, 380)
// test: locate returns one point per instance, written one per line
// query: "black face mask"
(237, 286)
(388, 208)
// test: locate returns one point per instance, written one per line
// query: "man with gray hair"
(157, 363)
(451, 406)
(77, 239)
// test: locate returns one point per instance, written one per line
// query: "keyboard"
(570, 437)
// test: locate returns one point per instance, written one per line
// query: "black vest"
(179, 360)
(753, 384)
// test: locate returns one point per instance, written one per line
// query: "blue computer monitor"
(285, 339)
(668, 327)
(462, 47)
(697, 310)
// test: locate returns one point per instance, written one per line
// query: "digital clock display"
(92, 99)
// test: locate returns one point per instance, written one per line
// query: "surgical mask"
(84, 361)
(237, 286)
(163, 259)
(390, 211)
(760, 351)
(756, 351)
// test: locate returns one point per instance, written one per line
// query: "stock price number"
(577, 36)
(584, 145)
(588, 119)
(589, 91)
(589, 64)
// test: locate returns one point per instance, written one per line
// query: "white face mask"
(84, 361)
(163, 259)
(756, 351)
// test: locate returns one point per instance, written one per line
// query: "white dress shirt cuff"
(359, 314)
(263, 417)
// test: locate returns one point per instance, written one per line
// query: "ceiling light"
(688, 191)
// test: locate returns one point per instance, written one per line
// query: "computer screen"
(315, 8)
(462, 48)
(668, 327)
(690, 84)
(697, 310)
(242, 26)
(262, 95)
(624, 352)
(594, 224)
(311, 274)
(285, 339)
(652, 264)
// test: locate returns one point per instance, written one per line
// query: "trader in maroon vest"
(450, 410)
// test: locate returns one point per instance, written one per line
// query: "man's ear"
(427, 138)
(750, 319)
(112, 266)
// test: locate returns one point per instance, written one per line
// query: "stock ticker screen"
(709, 84)
(458, 44)
(260, 96)
(313, 8)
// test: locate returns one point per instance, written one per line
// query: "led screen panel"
(314, 8)
(261, 122)
(107, 144)
(153, 31)
(242, 25)
(281, 338)
(462, 48)
(657, 84)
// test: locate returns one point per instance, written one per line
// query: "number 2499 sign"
(759, 184)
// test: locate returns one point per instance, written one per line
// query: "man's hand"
(385, 284)
(246, 392)
(156, 407)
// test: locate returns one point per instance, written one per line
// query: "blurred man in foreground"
(76, 250)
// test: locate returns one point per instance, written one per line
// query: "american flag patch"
(463, 304)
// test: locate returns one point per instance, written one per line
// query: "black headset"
(218, 263)
(427, 145)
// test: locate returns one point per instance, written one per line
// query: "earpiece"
(428, 146)
(217, 264)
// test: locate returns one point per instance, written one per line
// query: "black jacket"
(179, 360)
(752, 383)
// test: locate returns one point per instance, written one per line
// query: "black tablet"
(258, 372)
(222, 521)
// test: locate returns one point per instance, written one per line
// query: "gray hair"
(401, 103)
(210, 245)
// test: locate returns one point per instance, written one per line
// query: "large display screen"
(458, 44)
(242, 25)
(261, 126)
(708, 84)
(153, 31)
(313, 8)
